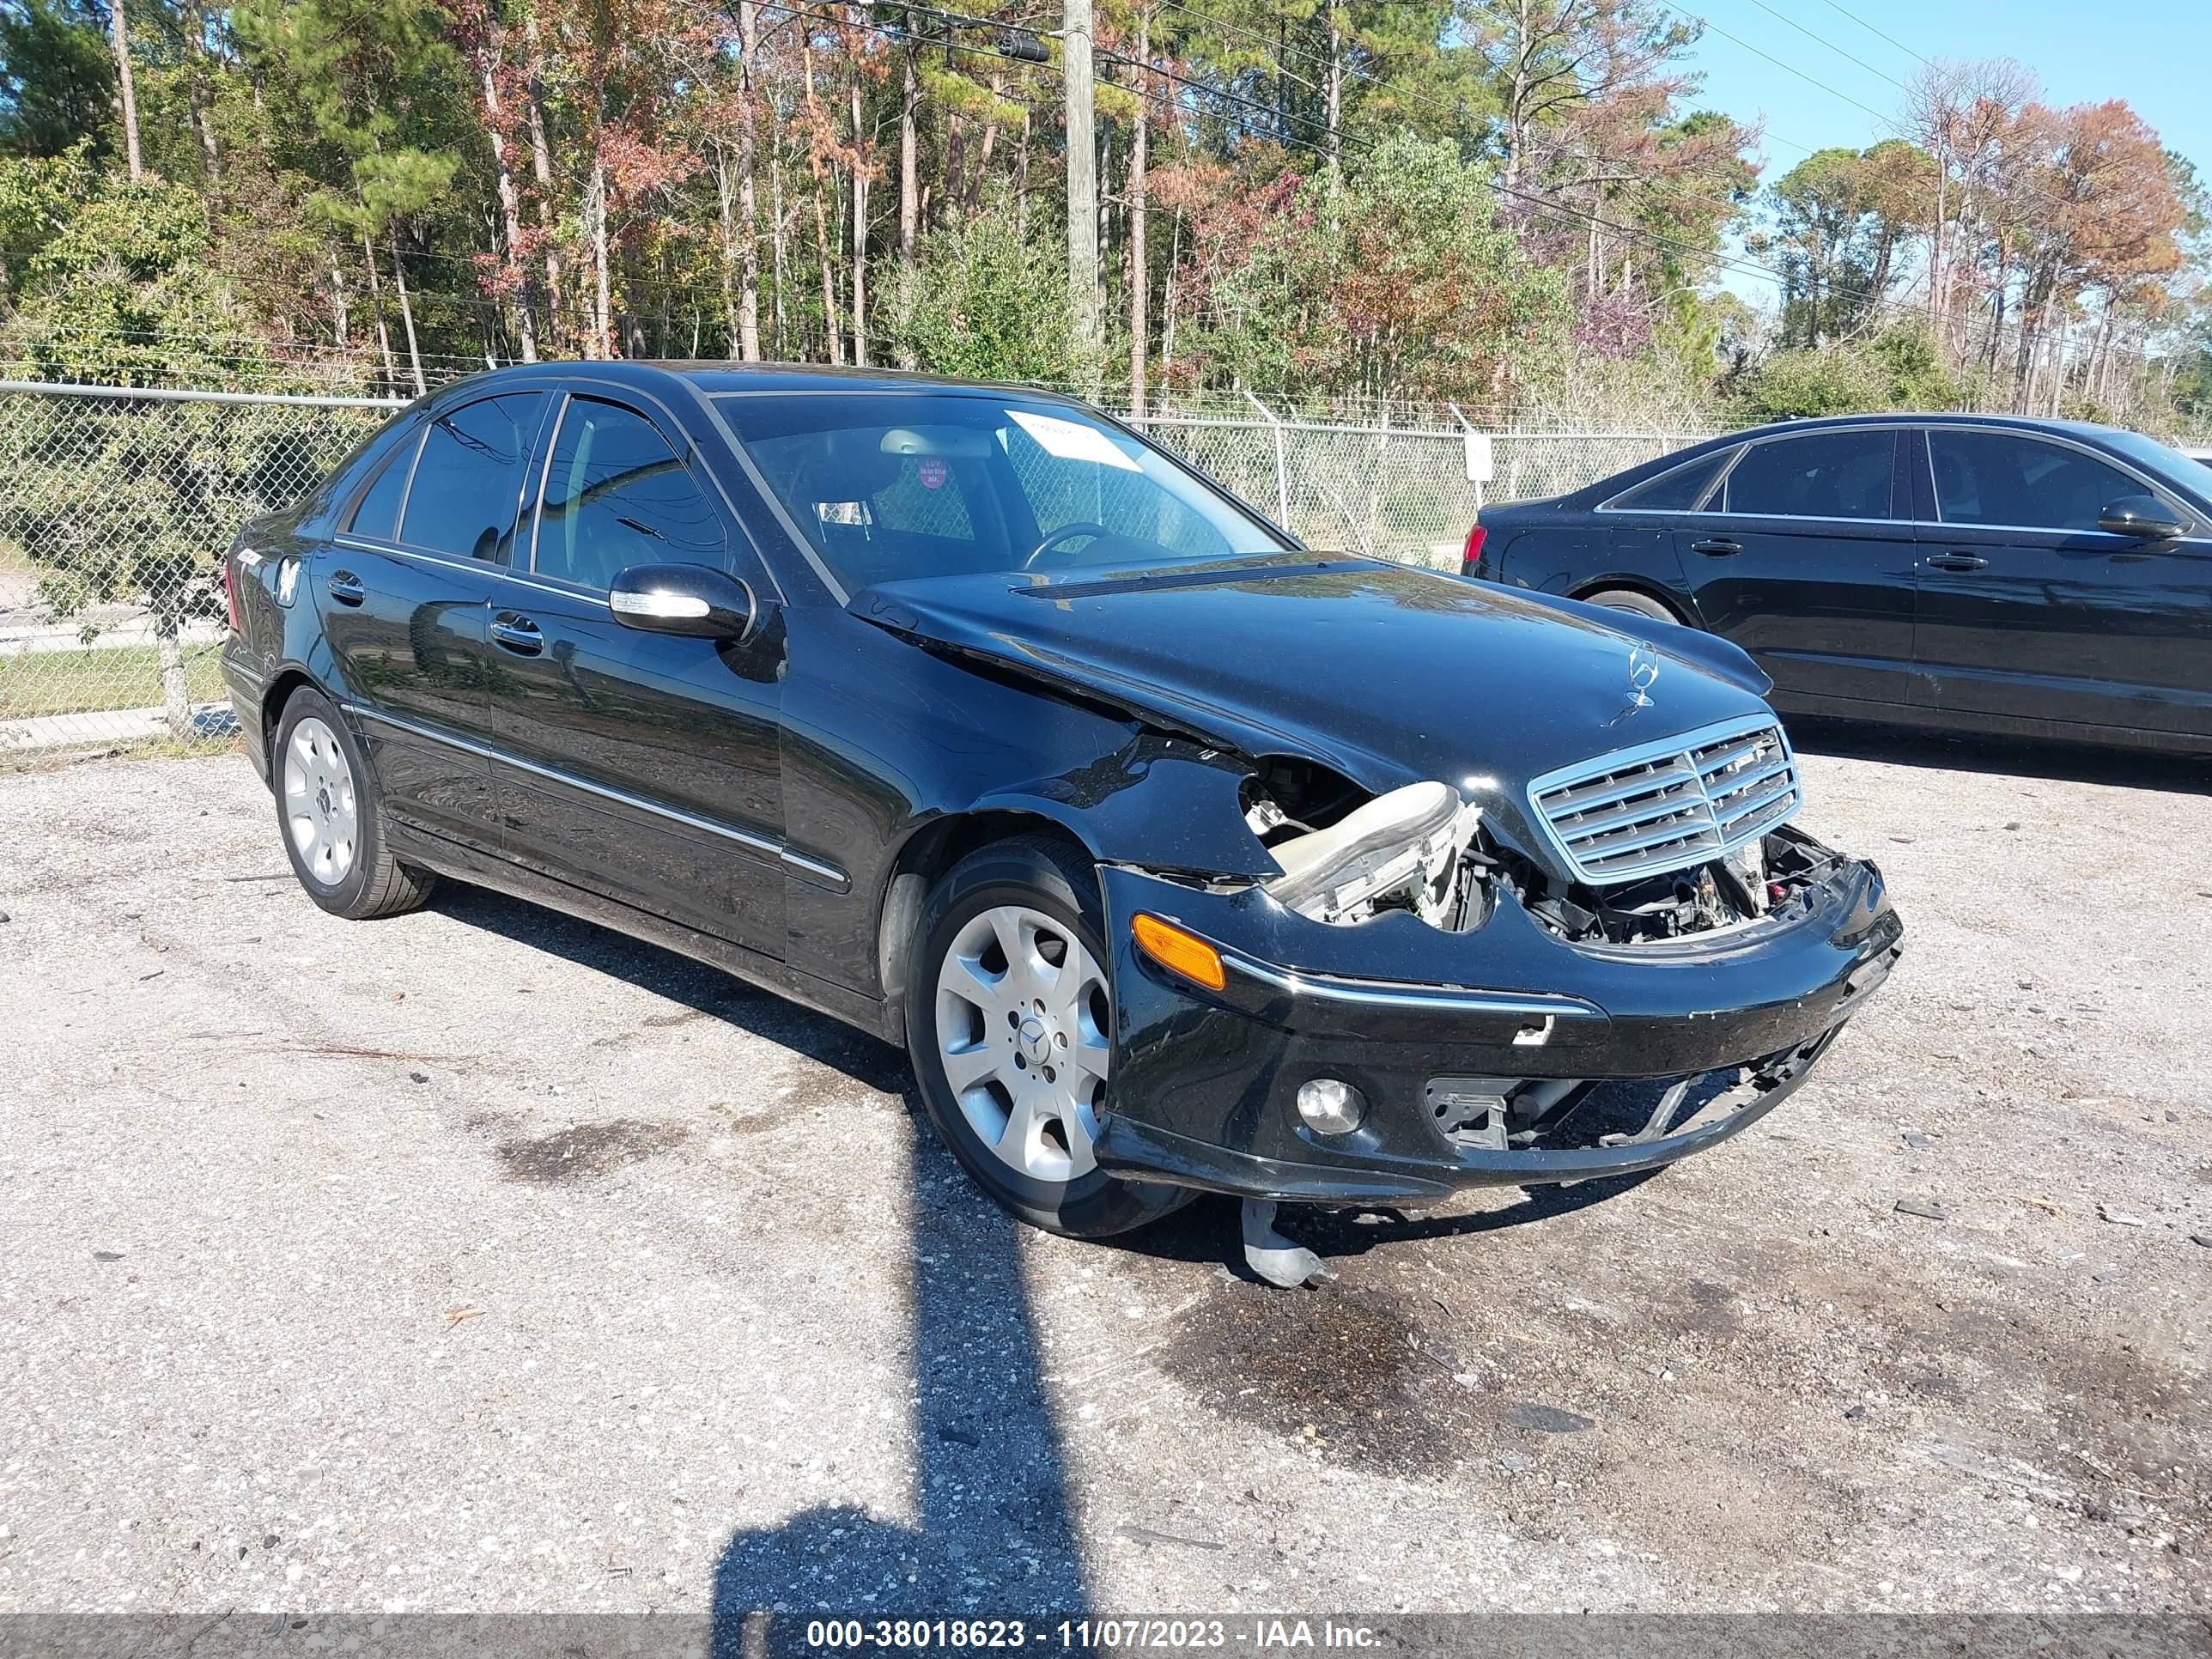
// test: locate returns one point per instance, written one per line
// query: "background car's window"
(892, 484)
(618, 495)
(469, 479)
(376, 513)
(1822, 474)
(1678, 491)
(1995, 478)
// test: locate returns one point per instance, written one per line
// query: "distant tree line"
(1489, 201)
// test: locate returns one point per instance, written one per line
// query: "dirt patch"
(586, 1151)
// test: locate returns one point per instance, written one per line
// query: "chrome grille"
(1666, 806)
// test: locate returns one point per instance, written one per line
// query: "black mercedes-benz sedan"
(1179, 857)
(2038, 579)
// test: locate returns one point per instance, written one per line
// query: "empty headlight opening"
(1348, 857)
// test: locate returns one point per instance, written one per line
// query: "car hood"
(1389, 673)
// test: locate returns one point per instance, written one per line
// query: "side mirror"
(2143, 517)
(689, 600)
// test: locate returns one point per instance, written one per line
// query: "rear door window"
(468, 481)
(2023, 483)
(1822, 474)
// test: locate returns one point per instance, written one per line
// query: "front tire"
(330, 819)
(1009, 1023)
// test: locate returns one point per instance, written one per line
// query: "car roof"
(715, 376)
(1895, 417)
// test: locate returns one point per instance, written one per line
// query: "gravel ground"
(479, 1260)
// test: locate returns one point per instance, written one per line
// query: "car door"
(644, 766)
(1804, 557)
(2030, 611)
(403, 589)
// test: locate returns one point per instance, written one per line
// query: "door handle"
(518, 634)
(1957, 562)
(1718, 547)
(346, 588)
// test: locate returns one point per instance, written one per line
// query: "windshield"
(893, 484)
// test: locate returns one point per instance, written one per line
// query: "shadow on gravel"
(2003, 757)
(709, 993)
(996, 1532)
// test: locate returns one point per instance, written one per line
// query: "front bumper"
(1204, 1082)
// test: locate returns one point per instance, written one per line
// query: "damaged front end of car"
(1419, 1003)
(1364, 960)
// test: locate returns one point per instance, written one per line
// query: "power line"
(1871, 29)
(1809, 80)
(1823, 40)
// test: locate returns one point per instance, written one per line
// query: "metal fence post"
(1282, 467)
(1466, 426)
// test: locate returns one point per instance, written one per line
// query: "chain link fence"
(116, 506)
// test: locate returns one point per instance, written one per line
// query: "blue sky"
(2157, 54)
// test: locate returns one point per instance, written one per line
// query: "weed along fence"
(116, 503)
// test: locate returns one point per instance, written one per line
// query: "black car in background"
(1178, 856)
(1972, 573)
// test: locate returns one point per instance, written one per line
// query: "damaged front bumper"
(1205, 1082)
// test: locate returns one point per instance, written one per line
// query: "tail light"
(1473, 556)
(230, 594)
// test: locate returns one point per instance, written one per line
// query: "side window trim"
(406, 489)
(1714, 499)
(685, 451)
(564, 397)
(2049, 440)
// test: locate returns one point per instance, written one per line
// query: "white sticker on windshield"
(1072, 441)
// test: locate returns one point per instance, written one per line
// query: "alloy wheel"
(1022, 1017)
(320, 812)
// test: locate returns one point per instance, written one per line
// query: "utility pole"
(1082, 188)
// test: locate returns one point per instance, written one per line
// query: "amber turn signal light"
(1184, 953)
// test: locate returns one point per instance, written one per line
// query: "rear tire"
(1628, 598)
(1011, 993)
(330, 819)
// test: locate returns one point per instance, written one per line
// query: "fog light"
(1331, 1106)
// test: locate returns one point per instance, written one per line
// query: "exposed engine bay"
(1347, 858)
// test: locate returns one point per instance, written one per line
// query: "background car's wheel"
(1009, 1021)
(330, 818)
(1628, 598)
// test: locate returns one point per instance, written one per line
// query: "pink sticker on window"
(931, 472)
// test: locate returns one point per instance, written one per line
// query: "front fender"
(1162, 802)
